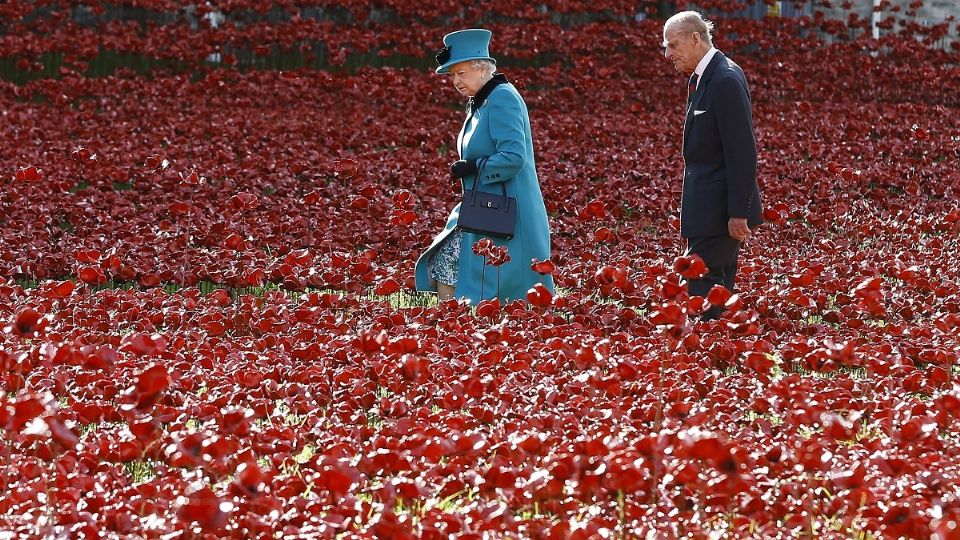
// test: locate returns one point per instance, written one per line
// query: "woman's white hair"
(487, 66)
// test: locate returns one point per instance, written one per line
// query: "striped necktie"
(691, 87)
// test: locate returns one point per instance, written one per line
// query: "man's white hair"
(688, 22)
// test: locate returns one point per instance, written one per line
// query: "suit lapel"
(701, 90)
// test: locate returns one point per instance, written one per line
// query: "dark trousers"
(720, 254)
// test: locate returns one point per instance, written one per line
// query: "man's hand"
(462, 168)
(738, 228)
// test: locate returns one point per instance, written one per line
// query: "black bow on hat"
(443, 55)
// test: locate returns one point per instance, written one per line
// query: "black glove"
(462, 168)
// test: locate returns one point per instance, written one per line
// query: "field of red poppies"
(207, 322)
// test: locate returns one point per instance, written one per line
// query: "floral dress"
(444, 265)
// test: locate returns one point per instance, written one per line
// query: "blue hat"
(462, 45)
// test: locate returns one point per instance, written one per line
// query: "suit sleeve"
(735, 124)
(506, 129)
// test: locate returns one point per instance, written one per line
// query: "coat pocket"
(704, 206)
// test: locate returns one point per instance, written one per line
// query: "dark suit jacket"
(719, 153)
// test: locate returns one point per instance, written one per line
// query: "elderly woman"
(494, 142)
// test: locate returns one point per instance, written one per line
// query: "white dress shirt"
(704, 62)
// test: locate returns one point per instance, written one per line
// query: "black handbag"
(488, 214)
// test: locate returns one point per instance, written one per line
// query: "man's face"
(684, 50)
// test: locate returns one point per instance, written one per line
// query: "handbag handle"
(503, 187)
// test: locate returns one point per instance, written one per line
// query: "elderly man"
(721, 199)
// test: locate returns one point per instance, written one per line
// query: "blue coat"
(499, 129)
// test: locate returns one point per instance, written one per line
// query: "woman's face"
(468, 80)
